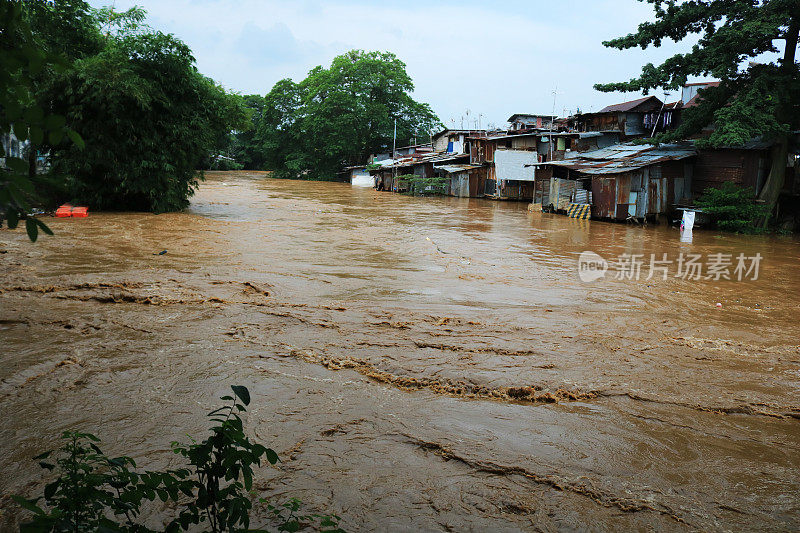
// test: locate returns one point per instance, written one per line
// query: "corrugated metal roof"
(448, 131)
(526, 115)
(627, 106)
(542, 131)
(438, 157)
(624, 158)
(452, 169)
(615, 151)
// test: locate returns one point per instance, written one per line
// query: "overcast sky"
(491, 58)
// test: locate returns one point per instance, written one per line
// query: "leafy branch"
(96, 493)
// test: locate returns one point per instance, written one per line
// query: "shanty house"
(388, 173)
(466, 180)
(413, 149)
(515, 173)
(354, 174)
(507, 159)
(562, 145)
(454, 141)
(620, 182)
(521, 121)
(630, 119)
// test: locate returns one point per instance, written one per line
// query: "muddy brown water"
(418, 364)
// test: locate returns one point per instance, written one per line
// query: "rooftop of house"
(631, 105)
(625, 157)
(411, 160)
(517, 116)
(423, 145)
(448, 131)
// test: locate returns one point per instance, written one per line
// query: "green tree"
(753, 99)
(148, 118)
(278, 133)
(23, 60)
(244, 146)
(340, 115)
(67, 30)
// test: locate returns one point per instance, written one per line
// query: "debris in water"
(436, 245)
(162, 252)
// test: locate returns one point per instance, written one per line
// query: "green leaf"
(77, 139)
(55, 122)
(272, 457)
(55, 136)
(30, 505)
(36, 527)
(44, 227)
(22, 182)
(32, 229)
(37, 135)
(34, 115)
(13, 218)
(242, 392)
(51, 488)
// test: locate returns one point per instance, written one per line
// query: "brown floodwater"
(417, 363)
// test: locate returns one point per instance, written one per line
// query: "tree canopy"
(340, 115)
(148, 119)
(756, 97)
(23, 62)
(145, 117)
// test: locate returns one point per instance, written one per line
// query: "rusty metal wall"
(657, 196)
(516, 190)
(604, 196)
(611, 196)
(477, 182)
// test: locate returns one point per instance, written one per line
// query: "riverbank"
(416, 363)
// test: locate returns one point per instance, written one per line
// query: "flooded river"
(418, 364)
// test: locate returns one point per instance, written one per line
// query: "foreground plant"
(732, 207)
(425, 186)
(90, 490)
(96, 493)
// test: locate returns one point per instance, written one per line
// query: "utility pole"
(552, 119)
(394, 155)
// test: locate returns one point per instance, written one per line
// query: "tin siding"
(510, 164)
